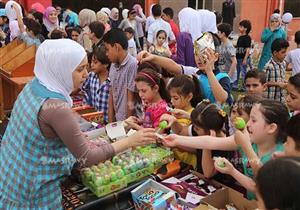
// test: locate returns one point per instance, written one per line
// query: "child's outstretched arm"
(168, 64)
(201, 142)
(243, 140)
(224, 166)
(208, 167)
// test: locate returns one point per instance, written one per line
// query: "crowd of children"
(144, 84)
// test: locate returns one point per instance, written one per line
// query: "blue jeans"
(241, 71)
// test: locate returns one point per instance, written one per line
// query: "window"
(292, 6)
(200, 4)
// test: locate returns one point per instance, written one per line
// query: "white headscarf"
(189, 22)
(125, 13)
(55, 62)
(12, 16)
(209, 21)
(106, 10)
(196, 22)
(86, 16)
(10, 12)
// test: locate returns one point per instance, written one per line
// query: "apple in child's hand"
(220, 162)
(239, 123)
(163, 125)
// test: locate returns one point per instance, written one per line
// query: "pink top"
(156, 111)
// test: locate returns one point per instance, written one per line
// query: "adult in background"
(130, 22)
(102, 17)
(86, 16)
(140, 20)
(43, 139)
(50, 21)
(272, 32)
(228, 11)
(114, 18)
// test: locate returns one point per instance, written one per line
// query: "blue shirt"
(97, 93)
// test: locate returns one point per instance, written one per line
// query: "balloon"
(287, 17)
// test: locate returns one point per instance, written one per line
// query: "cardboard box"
(221, 198)
(115, 130)
(161, 203)
(192, 188)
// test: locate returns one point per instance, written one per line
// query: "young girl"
(185, 94)
(266, 127)
(203, 125)
(158, 48)
(96, 87)
(152, 91)
(293, 97)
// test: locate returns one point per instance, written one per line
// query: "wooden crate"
(16, 70)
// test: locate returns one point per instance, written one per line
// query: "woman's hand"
(170, 140)
(223, 166)
(142, 137)
(169, 118)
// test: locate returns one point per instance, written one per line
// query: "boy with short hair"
(293, 56)
(122, 75)
(96, 33)
(167, 16)
(243, 51)
(255, 82)
(157, 25)
(275, 70)
(131, 43)
(227, 60)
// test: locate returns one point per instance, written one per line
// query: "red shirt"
(175, 30)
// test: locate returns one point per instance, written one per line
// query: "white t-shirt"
(157, 25)
(132, 47)
(293, 57)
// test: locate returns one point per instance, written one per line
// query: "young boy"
(122, 74)
(243, 51)
(255, 82)
(29, 34)
(293, 56)
(131, 43)
(96, 86)
(159, 24)
(215, 84)
(167, 16)
(4, 28)
(96, 33)
(227, 60)
(275, 70)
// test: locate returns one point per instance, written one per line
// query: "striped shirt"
(96, 93)
(122, 78)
